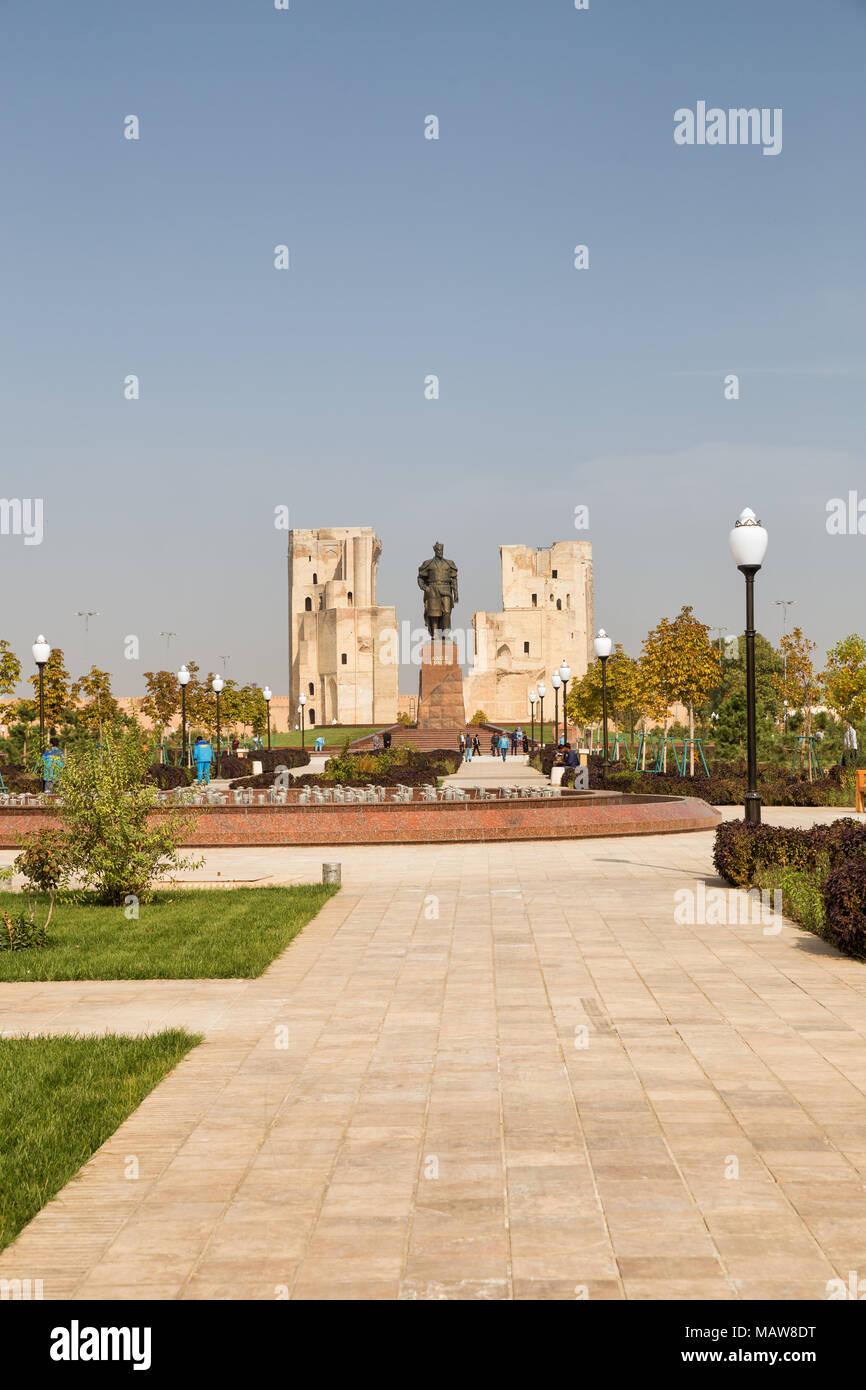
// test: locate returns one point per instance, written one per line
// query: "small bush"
(19, 931)
(114, 843)
(45, 859)
(261, 780)
(739, 848)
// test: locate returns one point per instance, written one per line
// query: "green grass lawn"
(60, 1098)
(334, 737)
(184, 934)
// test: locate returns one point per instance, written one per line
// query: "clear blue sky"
(408, 257)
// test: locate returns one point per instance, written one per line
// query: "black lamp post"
(302, 701)
(542, 691)
(267, 694)
(556, 682)
(565, 677)
(532, 699)
(603, 645)
(41, 653)
(748, 541)
(217, 684)
(183, 680)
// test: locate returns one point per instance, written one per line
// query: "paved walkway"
(510, 1073)
(487, 771)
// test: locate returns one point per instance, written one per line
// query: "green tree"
(681, 664)
(800, 686)
(844, 679)
(97, 706)
(162, 701)
(256, 709)
(726, 713)
(10, 669)
(200, 700)
(584, 699)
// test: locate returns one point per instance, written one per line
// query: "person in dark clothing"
(476, 745)
(386, 739)
(493, 745)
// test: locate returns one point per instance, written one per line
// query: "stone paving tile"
(551, 1091)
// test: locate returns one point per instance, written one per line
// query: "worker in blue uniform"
(203, 755)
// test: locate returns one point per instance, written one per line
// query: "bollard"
(331, 873)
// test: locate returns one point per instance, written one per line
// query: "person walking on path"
(849, 746)
(504, 744)
(525, 743)
(514, 743)
(386, 739)
(476, 746)
(467, 750)
(203, 757)
(462, 742)
(494, 744)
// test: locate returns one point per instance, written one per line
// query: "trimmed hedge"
(233, 766)
(845, 905)
(825, 860)
(167, 777)
(722, 789)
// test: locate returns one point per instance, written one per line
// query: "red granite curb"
(565, 818)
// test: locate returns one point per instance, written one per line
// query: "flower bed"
(407, 766)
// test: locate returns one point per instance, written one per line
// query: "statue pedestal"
(440, 687)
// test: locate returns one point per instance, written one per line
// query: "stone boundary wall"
(562, 818)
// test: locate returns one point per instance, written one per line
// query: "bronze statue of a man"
(438, 579)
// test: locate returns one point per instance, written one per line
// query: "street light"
(532, 699)
(302, 700)
(784, 604)
(216, 685)
(748, 542)
(183, 681)
(556, 682)
(41, 653)
(565, 677)
(603, 645)
(542, 691)
(267, 693)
